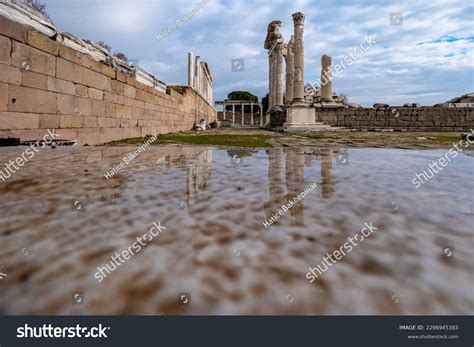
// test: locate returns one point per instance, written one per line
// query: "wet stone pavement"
(61, 219)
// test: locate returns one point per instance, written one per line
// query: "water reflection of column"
(327, 184)
(276, 186)
(295, 182)
(197, 173)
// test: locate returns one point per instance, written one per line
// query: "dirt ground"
(235, 137)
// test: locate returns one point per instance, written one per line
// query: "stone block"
(61, 86)
(49, 121)
(95, 94)
(42, 42)
(85, 61)
(110, 97)
(73, 105)
(67, 134)
(67, 53)
(95, 80)
(69, 71)
(23, 135)
(130, 92)
(5, 49)
(3, 97)
(33, 59)
(24, 99)
(98, 108)
(90, 122)
(34, 80)
(10, 74)
(12, 29)
(110, 110)
(71, 121)
(110, 134)
(108, 71)
(118, 87)
(88, 136)
(82, 90)
(14, 120)
(120, 76)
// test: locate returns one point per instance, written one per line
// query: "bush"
(121, 56)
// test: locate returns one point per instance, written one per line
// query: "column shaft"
(278, 74)
(326, 79)
(251, 114)
(298, 89)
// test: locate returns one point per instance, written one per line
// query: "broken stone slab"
(381, 105)
(19, 12)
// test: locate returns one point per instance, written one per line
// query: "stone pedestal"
(299, 116)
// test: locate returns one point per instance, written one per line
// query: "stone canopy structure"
(294, 108)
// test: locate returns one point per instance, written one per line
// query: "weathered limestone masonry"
(46, 85)
(409, 118)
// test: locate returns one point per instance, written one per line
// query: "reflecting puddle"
(61, 219)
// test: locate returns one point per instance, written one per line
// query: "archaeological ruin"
(53, 80)
(306, 107)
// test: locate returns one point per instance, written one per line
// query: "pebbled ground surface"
(61, 219)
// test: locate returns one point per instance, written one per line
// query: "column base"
(300, 114)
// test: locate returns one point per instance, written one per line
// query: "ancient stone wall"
(46, 85)
(410, 118)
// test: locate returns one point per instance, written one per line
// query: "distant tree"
(104, 45)
(265, 103)
(241, 95)
(121, 56)
(38, 6)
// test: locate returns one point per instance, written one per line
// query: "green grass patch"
(228, 140)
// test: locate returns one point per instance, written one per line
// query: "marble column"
(196, 73)
(261, 115)
(290, 70)
(326, 79)
(223, 112)
(233, 114)
(298, 87)
(278, 74)
(190, 70)
(270, 80)
(251, 114)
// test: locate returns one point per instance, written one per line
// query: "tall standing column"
(326, 79)
(278, 74)
(242, 113)
(270, 80)
(290, 71)
(251, 114)
(261, 114)
(196, 73)
(233, 114)
(190, 70)
(298, 89)
(223, 111)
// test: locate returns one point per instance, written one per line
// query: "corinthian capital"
(298, 18)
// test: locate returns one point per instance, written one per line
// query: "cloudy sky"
(427, 58)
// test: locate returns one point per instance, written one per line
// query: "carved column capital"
(298, 18)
